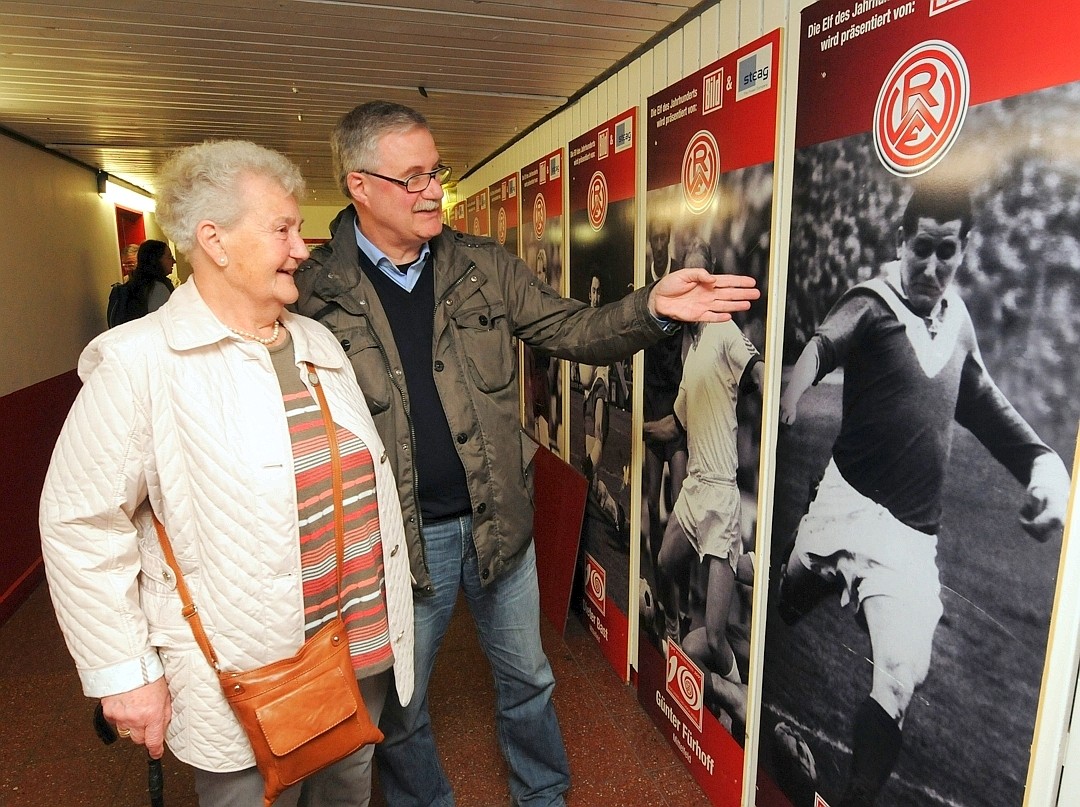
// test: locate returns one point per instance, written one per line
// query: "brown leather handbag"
(303, 713)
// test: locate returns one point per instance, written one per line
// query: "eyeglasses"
(924, 247)
(417, 182)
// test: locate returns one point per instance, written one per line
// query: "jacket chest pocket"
(367, 360)
(486, 343)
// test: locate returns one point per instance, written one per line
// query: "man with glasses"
(428, 318)
(911, 368)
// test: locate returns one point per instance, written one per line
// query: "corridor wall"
(719, 30)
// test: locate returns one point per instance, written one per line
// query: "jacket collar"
(189, 324)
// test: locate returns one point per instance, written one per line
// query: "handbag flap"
(306, 712)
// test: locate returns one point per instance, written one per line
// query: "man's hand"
(695, 295)
(141, 715)
(1042, 514)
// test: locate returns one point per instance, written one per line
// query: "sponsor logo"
(476, 225)
(500, 226)
(937, 6)
(700, 171)
(511, 188)
(539, 216)
(598, 201)
(712, 91)
(555, 166)
(921, 108)
(754, 73)
(685, 683)
(624, 134)
(595, 584)
(603, 141)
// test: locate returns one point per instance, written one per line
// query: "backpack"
(119, 296)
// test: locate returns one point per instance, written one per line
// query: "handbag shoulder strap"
(190, 611)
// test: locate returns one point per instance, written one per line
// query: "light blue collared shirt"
(407, 279)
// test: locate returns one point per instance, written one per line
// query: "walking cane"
(155, 778)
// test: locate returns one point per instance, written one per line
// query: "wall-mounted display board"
(928, 402)
(712, 140)
(542, 249)
(602, 212)
(503, 204)
(458, 218)
(477, 213)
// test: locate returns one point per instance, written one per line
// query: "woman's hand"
(141, 715)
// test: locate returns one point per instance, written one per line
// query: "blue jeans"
(507, 616)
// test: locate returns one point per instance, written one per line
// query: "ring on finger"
(124, 732)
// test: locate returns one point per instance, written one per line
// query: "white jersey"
(713, 369)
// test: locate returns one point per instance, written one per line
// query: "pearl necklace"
(269, 340)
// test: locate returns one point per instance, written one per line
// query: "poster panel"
(503, 204)
(477, 213)
(542, 249)
(458, 218)
(602, 211)
(928, 400)
(711, 147)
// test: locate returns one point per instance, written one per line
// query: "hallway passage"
(50, 756)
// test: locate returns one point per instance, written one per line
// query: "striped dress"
(363, 603)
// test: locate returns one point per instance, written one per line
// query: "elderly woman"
(201, 414)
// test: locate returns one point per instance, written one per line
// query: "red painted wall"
(30, 421)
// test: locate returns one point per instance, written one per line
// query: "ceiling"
(118, 84)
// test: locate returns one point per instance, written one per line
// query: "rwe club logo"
(921, 108)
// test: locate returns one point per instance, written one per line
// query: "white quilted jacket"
(179, 413)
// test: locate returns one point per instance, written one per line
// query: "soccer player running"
(911, 368)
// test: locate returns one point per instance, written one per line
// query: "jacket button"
(412, 519)
(346, 344)
(481, 508)
(484, 321)
(393, 551)
(485, 574)
(439, 367)
(382, 459)
(462, 438)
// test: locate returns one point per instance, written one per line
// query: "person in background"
(129, 256)
(443, 388)
(202, 414)
(153, 266)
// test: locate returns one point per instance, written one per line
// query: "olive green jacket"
(484, 298)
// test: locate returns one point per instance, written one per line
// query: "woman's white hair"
(202, 182)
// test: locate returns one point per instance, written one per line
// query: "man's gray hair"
(354, 143)
(202, 182)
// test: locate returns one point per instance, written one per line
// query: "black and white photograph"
(702, 435)
(928, 419)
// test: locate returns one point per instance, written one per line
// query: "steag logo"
(555, 167)
(700, 171)
(539, 216)
(500, 227)
(598, 201)
(921, 108)
(595, 584)
(754, 73)
(685, 683)
(624, 134)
